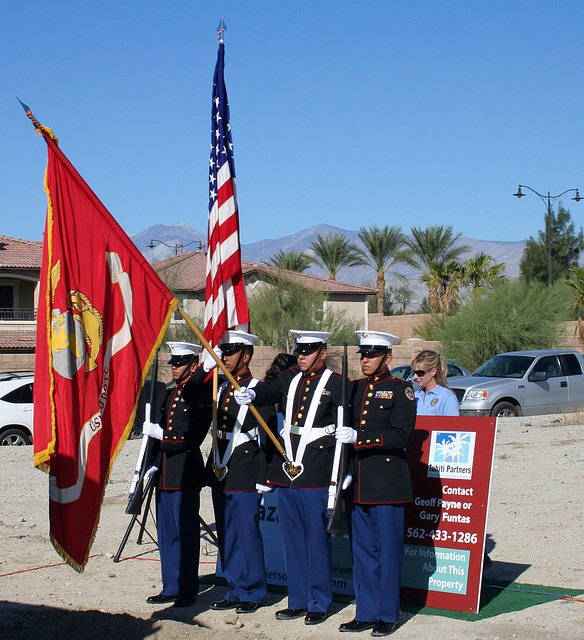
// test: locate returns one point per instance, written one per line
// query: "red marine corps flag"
(225, 299)
(102, 314)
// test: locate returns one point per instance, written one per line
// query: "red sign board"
(450, 461)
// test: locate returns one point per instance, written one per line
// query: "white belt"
(315, 432)
(244, 435)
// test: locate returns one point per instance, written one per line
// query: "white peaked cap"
(377, 339)
(309, 337)
(237, 336)
(183, 348)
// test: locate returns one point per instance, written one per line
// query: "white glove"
(347, 481)
(346, 435)
(150, 472)
(209, 361)
(261, 489)
(244, 396)
(153, 430)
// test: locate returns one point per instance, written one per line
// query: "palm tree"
(478, 273)
(430, 277)
(443, 280)
(452, 280)
(292, 260)
(383, 249)
(433, 246)
(333, 252)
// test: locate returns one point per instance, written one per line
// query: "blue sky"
(346, 113)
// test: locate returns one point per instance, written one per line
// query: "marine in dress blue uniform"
(309, 401)
(382, 417)
(236, 471)
(182, 419)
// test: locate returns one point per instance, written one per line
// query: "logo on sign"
(451, 454)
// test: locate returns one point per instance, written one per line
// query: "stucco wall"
(355, 310)
(403, 353)
(16, 362)
(402, 326)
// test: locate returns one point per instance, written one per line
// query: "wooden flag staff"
(291, 469)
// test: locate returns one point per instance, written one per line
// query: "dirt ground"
(535, 536)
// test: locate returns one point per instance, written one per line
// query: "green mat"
(497, 597)
(500, 596)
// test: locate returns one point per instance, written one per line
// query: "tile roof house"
(20, 266)
(185, 275)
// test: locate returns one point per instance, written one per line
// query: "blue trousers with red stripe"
(377, 535)
(179, 540)
(240, 544)
(307, 547)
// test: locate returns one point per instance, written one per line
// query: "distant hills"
(174, 235)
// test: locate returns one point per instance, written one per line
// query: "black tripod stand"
(148, 491)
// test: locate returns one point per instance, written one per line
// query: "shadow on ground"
(28, 622)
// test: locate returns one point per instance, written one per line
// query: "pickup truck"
(523, 383)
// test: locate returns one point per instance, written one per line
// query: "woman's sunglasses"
(420, 373)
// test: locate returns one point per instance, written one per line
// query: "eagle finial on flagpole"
(221, 29)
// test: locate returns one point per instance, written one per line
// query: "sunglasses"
(420, 373)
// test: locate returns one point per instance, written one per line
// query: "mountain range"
(167, 241)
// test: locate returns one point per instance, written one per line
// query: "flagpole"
(215, 409)
(234, 382)
(226, 303)
(220, 30)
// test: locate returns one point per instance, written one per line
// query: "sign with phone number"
(450, 461)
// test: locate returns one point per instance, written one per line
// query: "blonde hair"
(428, 360)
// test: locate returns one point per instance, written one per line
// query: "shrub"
(514, 316)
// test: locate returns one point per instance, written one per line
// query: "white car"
(16, 408)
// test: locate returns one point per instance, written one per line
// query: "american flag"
(225, 298)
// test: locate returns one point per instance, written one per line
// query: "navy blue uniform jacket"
(184, 413)
(318, 456)
(249, 461)
(383, 411)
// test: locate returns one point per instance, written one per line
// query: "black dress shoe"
(247, 607)
(384, 628)
(185, 601)
(315, 617)
(160, 599)
(356, 625)
(290, 614)
(223, 605)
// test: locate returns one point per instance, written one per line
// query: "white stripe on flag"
(226, 210)
(229, 246)
(223, 175)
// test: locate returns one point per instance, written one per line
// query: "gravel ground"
(535, 536)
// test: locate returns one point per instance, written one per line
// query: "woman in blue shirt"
(434, 398)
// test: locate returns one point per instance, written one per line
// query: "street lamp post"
(549, 201)
(176, 246)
